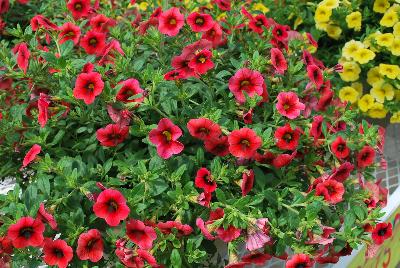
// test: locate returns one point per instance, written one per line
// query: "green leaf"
(222, 74)
(349, 220)
(359, 211)
(176, 175)
(44, 184)
(220, 195)
(67, 47)
(176, 260)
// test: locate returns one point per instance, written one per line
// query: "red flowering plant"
(139, 138)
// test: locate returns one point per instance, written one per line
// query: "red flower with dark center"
(278, 60)
(130, 88)
(280, 32)
(57, 253)
(40, 21)
(26, 232)
(339, 148)
(111, 206)
(343, 172)
(200, 22)
(4, 6)
(244, 143)
(246, 80)
(287, 138)
(214, 35)
(205, 181)
(217, 146)
(224, 5)
(247, 182)
(258, 23)
(289, 105)
(69, 31)
(171, 21)
(312, 41)
(325, 99)
(46, 217)
(101, 23)
(300, 261)
(265, 158)
(165, 137)
(316, 127)
(79, 8)
(31, 154)
(6, 246)
(140, 234)
(201, 62)
(315, 75)
(90, 246)
(203, 129)
(174, 75)
(381, 232)
(257, 258)
(332, 191)
(181, 64)
(365, 157)
(88, 86)
(23, 54)
(167, 227)
(94, 43)
(307, 58)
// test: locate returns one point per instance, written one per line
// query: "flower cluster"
(141, 134)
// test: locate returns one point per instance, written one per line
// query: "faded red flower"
(112, 134)
(111, 206)
(343, 172)
(167, 227)
(101, 23)
(214, 34)
(165, 137)
(256, 258)
(217, 146)
(46, 217)
(244, 143)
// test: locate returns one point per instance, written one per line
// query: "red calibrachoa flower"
(332, 190)
(280, 32)
(200, 22)
(224, 5)
(23, 54)
(244, 143)
(218, 146)
(315, 75)
(111, 206)
(57, 253)
(214, 35)
(287, 138)
(300, 260)
(278, 60)
(43, 105)
(88, 86)
(165, 137)
(171, 21)
(381, 232)
(4, 6)
(343, 172)
(201, 62)
(101, 23)
(6, 246)
(365, 157)
(140, 234)
(246, 80)
(256, 258)
(90, 246)
(46, 217)
(94, 42)
(203, 129)
(79, 8)
(205, 181)
(339, 148)
(130, 88)
(229, 234)
(69, 31)
(26, 232)
(31, 154)
(289, 105)
(247, 182)
(166, 227)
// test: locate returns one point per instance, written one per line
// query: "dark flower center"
(331, 190)
(114, 136)
(279, 32)
(70, 33)
(59, 253)
(91, 243)
(245, 142)
(259, 23)
(341, 147)
(286, 106)
(93, 41)
(301, 265)
(212, 33)
(167, 134)
(204, 130)
(382, 232)
(288, 137)
(200, 21)
(78, 6)
(245, 83)
(26, 232)
(172, 21)
(365, 156)
(315, 74)
(112, 206)
(202, 59)
(90, 86)
(207, 179)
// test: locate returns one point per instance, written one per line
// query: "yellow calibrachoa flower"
(395, 48)
(397, 95)
(322, 13)
(351, 71)
(374, 77)
(143, 6)
(380, 93)
(368, 41)
(354, 20)
(333, 31)
(385, 40)
(364, 55)
(377, 111)
(390, 18)
(350, 48)
(321, 25)
(366, 102)
(380, 6)
(396, 29)
(389, 70)
(348, 94)
(395, 118)
(260, 7)
(330, 3)
(358, 86)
